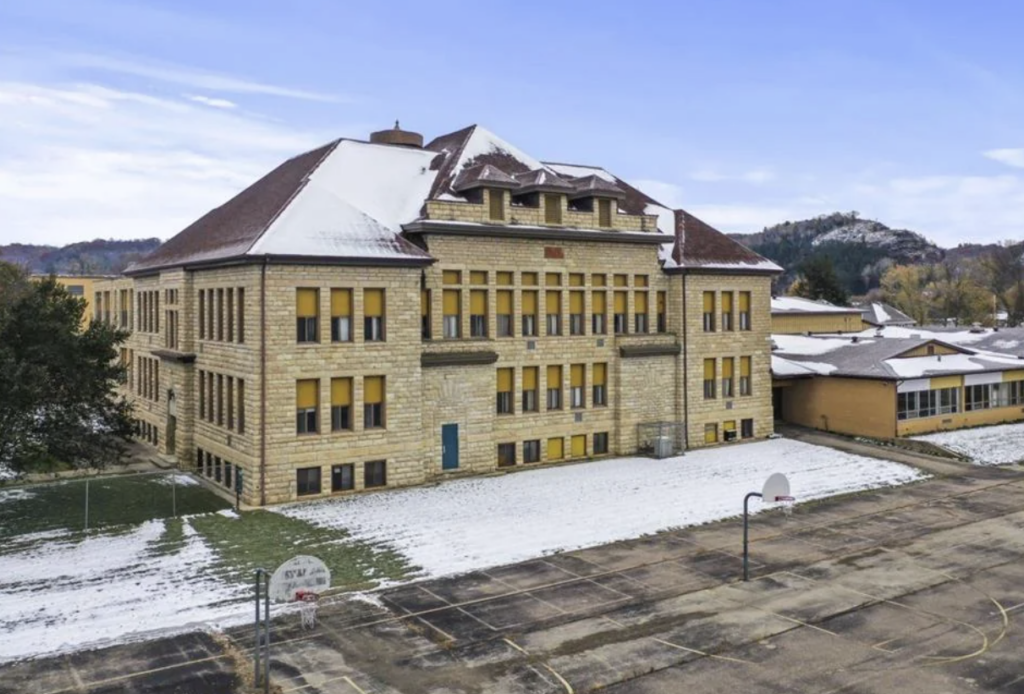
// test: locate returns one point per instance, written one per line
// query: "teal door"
(449, 446)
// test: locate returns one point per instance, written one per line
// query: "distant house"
(879, 315)
(792, 315)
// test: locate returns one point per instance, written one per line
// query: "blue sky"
(130, 119)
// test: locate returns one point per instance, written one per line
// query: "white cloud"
(86, 161)
(1010, 157)
(211, 101)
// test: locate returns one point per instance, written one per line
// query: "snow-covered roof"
(877, 313)
(795, 304)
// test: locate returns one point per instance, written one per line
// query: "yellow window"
(600, 374)
(505, 380)
(640, 302)
(530, 377)
(710, 433)
(599, 302)
(529, 303)
(373, 303)
(478, 302)
(556, 449)
(554, 377)
(744, 366)
(478, 277)
(504, 279)
(529, 279)
(306, 393)
(727, 367)
(341, 303)
(599, 280)
(504, 301)
(341, 391)
(576, 279)
(553, 279)
(576, 375)
(307, 303)
(726, 302)
(604, 213)
(621, 280)
(744, 301)
(553, 302)
(424, 302)
(640, 280)
(373, 390)
(452, 301)
(575, 302)
(729, 426)
(497, 203)
(709, 302)
(553, 208)
(620, 302)
(451, 277)
(661, 302)
(579, 446)
(709, 369)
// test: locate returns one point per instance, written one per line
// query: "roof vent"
(397, 136)
(855, 339)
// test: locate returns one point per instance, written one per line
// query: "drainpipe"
(263, 382)
(686, 373)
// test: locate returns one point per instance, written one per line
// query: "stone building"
(386, 313)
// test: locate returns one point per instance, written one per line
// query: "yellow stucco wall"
(922, 351)
(845, 405)
(87, 285)
(798, 323)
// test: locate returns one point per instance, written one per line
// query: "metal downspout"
(263, 383)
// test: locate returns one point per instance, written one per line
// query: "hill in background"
(99, 257)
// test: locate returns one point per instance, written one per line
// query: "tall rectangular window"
(373, 402)
(230, 314)
(220, 399)
(747, 428)
(577, 385)
(506, 454)
(505, 378)
(729, 430)
(556, 448)
(727, 377)
(727, 311)
(601, 443)
(211, 311)
(576, 316)
(241, 406)
(231, 402)
(307, 310)
(529, 313)
(604, 212)
(599, 317)
(307, 481)
(554, 383)
(452, 313)
(496, 201)
(709, 379)
(745, 384)
(425, 328)
(375, 474)
(552, 208)
(578, 446)
(505, 313)
(373, 315)
(530, 395)
(662, 316)
(621, 327)
(709, 312)
(531, 451)
(202, 395)
(240, 300)
(343, 477)
(307, 398)
(478, 313)
(640, 311)
(744, 310)
(600, 388)
(341, 404)
(202, 314)
(710, 433)
(220, 314)
(553, 309)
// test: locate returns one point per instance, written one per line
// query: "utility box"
(660, 439)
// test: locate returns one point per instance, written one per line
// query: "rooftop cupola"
(397, 136)
(595, 187)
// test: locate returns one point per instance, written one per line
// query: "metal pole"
(266, 621)
(746, 560)
(256, 624)
(86, 503)
(174, 494)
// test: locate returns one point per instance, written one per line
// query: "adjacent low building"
(385, 313)
(792, 315)
(876, 314)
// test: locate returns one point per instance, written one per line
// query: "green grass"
(266, 539)
(124, 500)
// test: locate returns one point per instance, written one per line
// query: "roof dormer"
(588, 189)
(541, 188)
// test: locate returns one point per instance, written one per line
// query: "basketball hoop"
(308, 603)
(787, 503)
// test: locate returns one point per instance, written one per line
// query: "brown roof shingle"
(698, 243)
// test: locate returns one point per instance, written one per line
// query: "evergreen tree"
(58, 380)
(820, 281)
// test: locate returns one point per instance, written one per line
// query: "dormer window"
(497, 204)
(552, 208)
(604, 212)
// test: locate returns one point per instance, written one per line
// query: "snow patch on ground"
(179, 480)
(1002, 444)
(18, 494)
(471, 524)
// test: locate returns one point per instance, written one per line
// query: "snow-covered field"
(475, 523)
(1001, 444)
